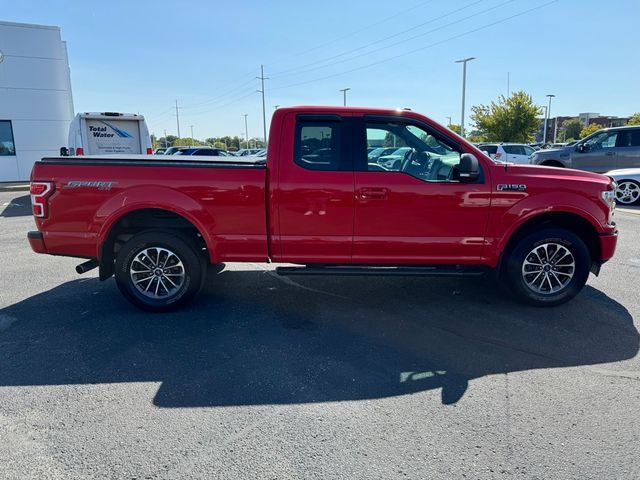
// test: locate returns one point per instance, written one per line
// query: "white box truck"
(108, 133)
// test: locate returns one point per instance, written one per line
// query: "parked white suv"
(508, 152)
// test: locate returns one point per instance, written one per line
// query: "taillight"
(149, 151)
(79, 151)
(40, 192)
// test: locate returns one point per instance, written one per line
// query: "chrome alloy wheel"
(157, 272)
(627, 192)
(548, 268)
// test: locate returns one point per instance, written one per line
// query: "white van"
(108, 133)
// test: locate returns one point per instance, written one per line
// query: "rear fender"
(164, 198)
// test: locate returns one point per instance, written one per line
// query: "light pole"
(262, 78)
(192, 138)
(449, 121)
(464, 89)
(344, 95)
(546, 118)
(246, 129)
(178, 118)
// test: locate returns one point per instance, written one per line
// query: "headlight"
(609, 198)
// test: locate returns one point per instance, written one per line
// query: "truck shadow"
(18, 207)
(254, 338)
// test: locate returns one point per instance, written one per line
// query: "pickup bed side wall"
(226, 205)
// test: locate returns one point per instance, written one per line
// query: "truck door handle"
(372, 193)
(610, 154)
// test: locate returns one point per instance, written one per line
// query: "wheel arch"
(125, 223)
(574, 222)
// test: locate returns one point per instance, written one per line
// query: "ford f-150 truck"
(441, 208)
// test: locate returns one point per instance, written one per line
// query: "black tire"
(188, 271)
(555, 239)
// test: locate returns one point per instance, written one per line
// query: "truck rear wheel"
(548, 267)
(159, 270)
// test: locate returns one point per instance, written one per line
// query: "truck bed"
(223, 197)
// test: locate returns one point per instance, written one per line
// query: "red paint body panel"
(419, 222)
(315, 209)
(608, 245)
(227, 206)
(285, 213)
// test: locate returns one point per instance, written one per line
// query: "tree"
(171, 139)
(570, 129)
(187, 142)
(454, 127)
(589, 129)
(513, 119)
(635, 119)
(391, 140)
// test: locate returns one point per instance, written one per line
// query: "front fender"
(507, 221)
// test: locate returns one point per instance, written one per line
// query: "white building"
(36, 105)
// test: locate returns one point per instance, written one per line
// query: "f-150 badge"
(511, 187)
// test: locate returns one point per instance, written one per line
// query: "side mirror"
(582, 148)
(469, 168)
(64, 152)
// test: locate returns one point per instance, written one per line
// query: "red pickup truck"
(424, 202)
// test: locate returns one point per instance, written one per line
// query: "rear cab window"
(322, 143)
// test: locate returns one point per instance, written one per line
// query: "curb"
(14, 187)
(629, 211)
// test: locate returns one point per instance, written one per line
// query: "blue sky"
(140, 56)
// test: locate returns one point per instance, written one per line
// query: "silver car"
(628, 180)
(604, 150)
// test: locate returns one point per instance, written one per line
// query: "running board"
(422, 271)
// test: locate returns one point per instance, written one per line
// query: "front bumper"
(36, 240)
(608, 243)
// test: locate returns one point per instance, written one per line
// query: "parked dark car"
(203, 151)
(172, 150)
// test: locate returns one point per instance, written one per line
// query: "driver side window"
(409, 149)
(603, 140)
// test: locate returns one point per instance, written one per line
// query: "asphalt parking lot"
(266, 377)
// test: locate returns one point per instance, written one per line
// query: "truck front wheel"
(159, 270)
(548, 267)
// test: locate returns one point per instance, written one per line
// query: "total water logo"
(103, 132)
